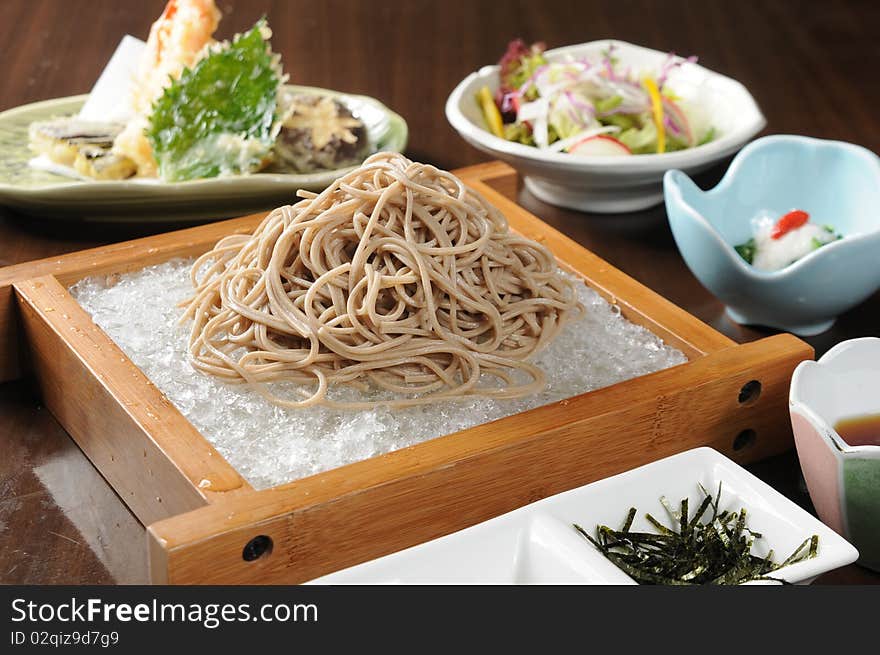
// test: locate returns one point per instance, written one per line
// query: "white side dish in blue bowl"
(806, 276)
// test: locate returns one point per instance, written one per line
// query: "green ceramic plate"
(46, 194)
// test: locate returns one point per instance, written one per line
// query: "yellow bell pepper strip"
(657, 110)
(490, 112)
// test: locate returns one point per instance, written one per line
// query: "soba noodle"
(397, 279)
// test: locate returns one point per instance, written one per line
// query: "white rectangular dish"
(537, 544)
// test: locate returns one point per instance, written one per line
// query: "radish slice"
(565, 144)
(599, 145)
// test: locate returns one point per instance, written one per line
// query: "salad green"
(195, 130)
(589, 107)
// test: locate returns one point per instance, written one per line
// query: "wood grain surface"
(141, 443)
(808, 63)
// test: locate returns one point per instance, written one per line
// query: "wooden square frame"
(206, 524)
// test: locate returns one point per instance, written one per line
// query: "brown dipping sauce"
(860, 430)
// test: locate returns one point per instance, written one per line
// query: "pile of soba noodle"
(397, 279)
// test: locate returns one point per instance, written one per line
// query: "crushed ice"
(269, 445)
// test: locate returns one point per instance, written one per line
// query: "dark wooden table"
(811, 66)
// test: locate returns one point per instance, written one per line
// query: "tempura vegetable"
(219, 117)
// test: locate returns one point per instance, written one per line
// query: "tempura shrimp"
(177, 38)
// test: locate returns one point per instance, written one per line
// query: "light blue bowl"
(837, 183)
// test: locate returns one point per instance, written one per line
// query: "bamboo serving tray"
(205, 524)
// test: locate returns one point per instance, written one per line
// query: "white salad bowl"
(614, 184)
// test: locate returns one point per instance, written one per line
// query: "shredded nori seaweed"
(705, 549)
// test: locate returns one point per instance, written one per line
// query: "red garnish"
(790, 221)
(514, 101)
(512, 60)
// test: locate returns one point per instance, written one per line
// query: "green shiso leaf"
(218, 118)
